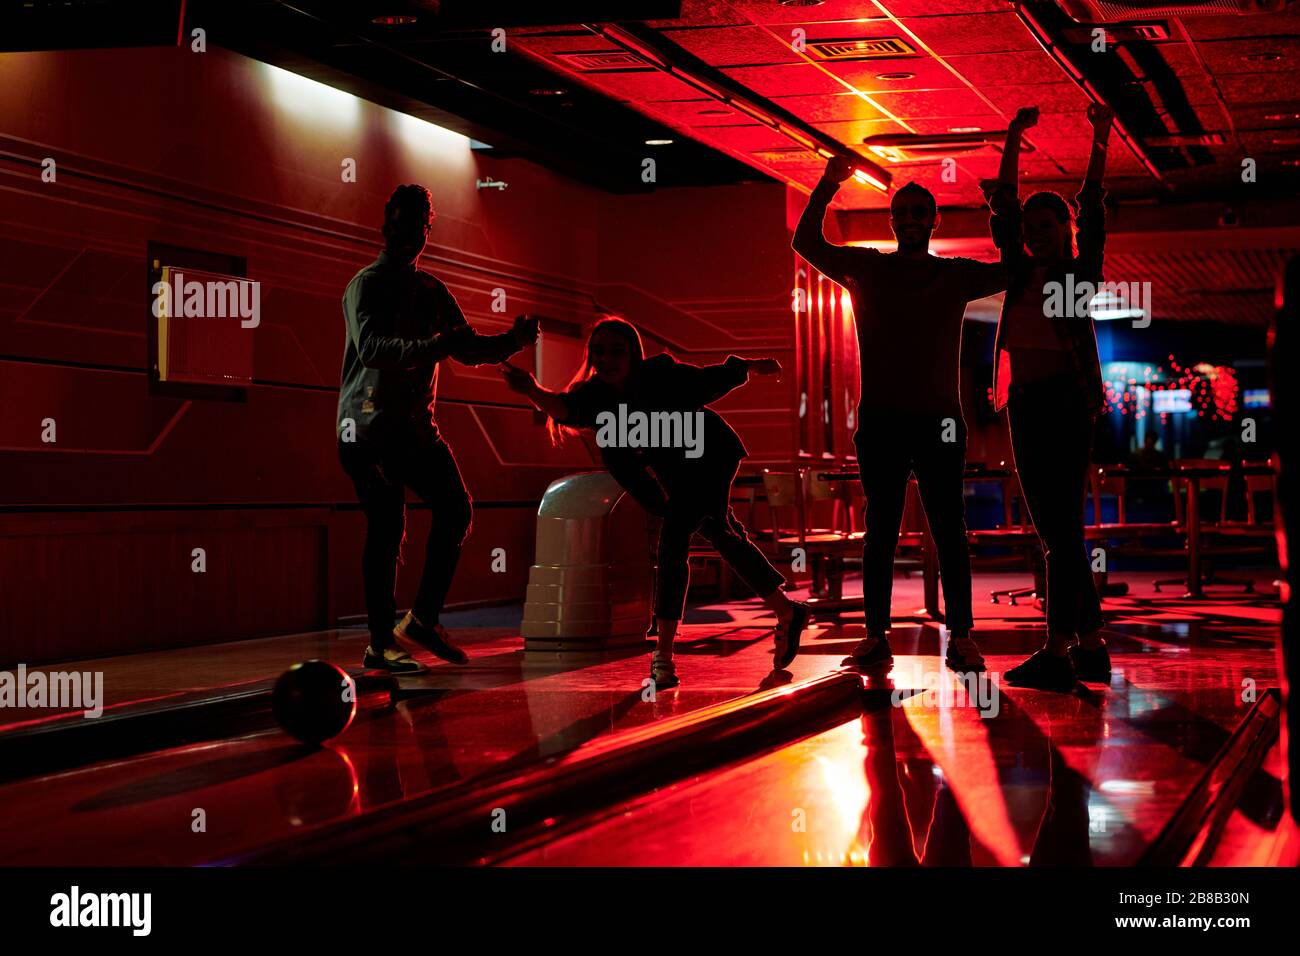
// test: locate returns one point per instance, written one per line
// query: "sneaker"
(434, 639)
(964, 655)
(787, 638)
(869, 651)
(391, 659)
(1043, 671)
(1091, 664)
(663, 672)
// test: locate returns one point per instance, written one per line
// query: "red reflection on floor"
(945, 778)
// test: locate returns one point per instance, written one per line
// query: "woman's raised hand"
(1100, 116)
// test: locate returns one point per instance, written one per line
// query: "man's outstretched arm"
(470, 348)
(809, 239)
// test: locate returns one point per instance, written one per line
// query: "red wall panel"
(220, 153)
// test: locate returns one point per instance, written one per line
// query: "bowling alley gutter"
(452, 825)
(63, 741)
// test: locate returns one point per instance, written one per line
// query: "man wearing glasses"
(401, 322)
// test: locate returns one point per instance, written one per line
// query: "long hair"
(1055, 204)
(636, 351)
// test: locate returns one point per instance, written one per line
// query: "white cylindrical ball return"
(589, 588)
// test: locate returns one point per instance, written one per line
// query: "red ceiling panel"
(818, 109)
(937, 103)
(944, 124)
(1074, 151)
(1272, 141)
(1250, 56)
(1007, 69)
(744, 138)
(702, 112)
(815, 30)
(734, 46)
(1048, 97)
(936, 8)
(988, 33)
(645, 87)
(1124, 185)
(854, 132)
(1256, 89)
(786, 80)
(1217, 28)
(923, 73)
(1057, 126)
(767, 11)
(704, 13)
(1265, 116)
(986, 47)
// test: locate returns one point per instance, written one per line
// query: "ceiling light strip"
(1044, 40)
(812, 140)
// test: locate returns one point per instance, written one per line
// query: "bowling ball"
(314, 701)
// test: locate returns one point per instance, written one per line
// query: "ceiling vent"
(1151, 31)
(881, 48)
(603, 60)
(1118, 11)
(1185, 139)
(788, 156)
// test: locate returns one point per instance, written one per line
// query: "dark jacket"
(1078, 334)
(662, 384)
(401, 322)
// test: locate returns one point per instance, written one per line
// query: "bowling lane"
(205, 802)
(1088, 779)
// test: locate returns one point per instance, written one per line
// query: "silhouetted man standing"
(401, 322)
(908, 307)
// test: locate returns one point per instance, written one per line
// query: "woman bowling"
(689, 487)
(1048, 377)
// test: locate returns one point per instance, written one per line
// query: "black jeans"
(700, 500)
(890, 448)
(382, 469)
(1051, 437)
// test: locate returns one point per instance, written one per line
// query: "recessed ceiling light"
(659, 142)
(1269, 57)
(396, 21)
(1283, 116)
(549, 91)
(895, 76)
(964, 129)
